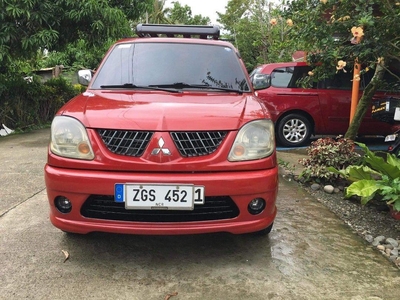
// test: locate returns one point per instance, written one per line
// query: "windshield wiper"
(143, 87)
(182, 85)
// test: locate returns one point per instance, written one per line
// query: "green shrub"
(26, 104)
(328, 152)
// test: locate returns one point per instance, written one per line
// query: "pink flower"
(273, 22)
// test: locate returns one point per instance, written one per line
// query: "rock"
(328, 189)
(315, 186)
(394, 252)
(392, 242)
(381, 248)
(397, 261)
(369, 238)
(336, 190)
(389, 246)
(378, 240)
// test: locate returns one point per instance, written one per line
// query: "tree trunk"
(365, 101)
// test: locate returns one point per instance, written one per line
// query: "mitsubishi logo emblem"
(164, 151)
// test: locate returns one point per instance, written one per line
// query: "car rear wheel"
(293, 130)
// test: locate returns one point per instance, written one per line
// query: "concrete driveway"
(309, 254)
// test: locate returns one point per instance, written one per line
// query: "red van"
(323, 109)
(169, 138)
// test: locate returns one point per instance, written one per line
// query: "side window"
(288, 77)
(281, 77)
(299, 74)
(341, 81)
(344, 80)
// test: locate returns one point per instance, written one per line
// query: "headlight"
(69, 139)
(254, 140)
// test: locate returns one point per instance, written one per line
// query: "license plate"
(159, 196)
(390, 138)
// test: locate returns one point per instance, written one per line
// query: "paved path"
(310, 254)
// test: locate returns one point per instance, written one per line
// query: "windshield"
(162, 64)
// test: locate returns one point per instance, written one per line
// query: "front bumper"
(242, 187)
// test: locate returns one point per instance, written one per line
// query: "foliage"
(158, 13)
(328, 152)
(77, 55)
(32, 25)
(258, 31)
(376, 176)
(347, 31)
(24, 104)
(179, 14)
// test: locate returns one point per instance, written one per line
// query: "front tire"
(293, 130)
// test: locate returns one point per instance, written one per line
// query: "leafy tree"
(258, 31)
(29, 25)
(337, 33)
(158, 13)
(179, 14)
(77, 55)
(133, 9)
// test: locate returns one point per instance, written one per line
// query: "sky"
(206, 8)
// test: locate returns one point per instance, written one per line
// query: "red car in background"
(323, 109)
(169, 138)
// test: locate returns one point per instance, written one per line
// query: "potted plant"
(375, 176)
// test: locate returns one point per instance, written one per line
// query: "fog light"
(256, 206)
(63, 204)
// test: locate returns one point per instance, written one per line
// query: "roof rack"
(187, 31)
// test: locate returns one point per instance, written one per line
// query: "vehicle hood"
(163, 111)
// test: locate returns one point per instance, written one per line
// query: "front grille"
(104, 207)
(197, 143)
(126, 142)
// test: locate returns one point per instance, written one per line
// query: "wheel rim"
(295, 131)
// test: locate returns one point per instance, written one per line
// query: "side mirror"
(261, 81)
(84, 77)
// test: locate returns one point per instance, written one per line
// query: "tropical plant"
(376, 176)
(328, 152)
(158, 13)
